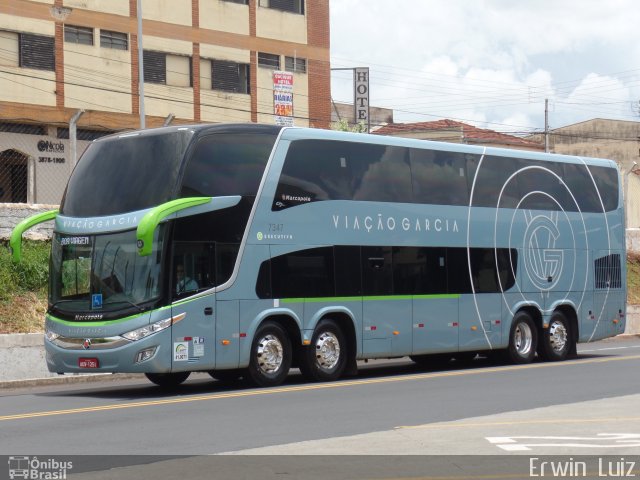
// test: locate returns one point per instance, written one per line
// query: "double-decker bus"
(246, 250)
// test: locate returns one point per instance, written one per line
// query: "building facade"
(203, 61)
(617, 140)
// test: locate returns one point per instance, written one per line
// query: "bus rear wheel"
(270, 355)
(168, 380)
(555, 341)
(523, 339)
(326, 358)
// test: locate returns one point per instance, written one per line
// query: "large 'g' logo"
(542, 261)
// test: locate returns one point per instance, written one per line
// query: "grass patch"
(633, 279)
(23, 288)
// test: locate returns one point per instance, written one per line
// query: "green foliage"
(30, 275)
(343, 126)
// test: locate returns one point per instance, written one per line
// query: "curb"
(70, 380)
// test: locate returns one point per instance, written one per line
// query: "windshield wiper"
(124, 300)
(64, 300)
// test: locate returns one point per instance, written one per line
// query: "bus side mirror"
(181, 207)
(15, 243)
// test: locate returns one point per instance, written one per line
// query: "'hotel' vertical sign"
(361, 95)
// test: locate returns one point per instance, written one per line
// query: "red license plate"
(88, 363)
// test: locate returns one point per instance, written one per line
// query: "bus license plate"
(88, 363)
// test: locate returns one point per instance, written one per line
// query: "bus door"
(193, 331)
(481, 312)
(386, 318)
(435, 313)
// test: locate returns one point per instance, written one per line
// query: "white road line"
(608, 440)
(608, 348)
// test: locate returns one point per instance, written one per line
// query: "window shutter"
(37, 51)
(155, 67)
(225, 76)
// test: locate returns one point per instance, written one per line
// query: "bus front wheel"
(556, 340)
(270, 355)
(326, 357)
(523, 339)
(168, 380)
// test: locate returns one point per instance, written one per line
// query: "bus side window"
(193, 268)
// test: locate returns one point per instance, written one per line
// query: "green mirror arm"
(15, 243)
(152, 219)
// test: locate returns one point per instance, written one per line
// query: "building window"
(82, 134)
(37, 51)
(155, 67)
(82, 35)
(9, 48)
(269, 60)
(229, 76)
(293, 6)
(242, 2)
(24, 128)
(115, 40)
(294, 64)
(167, 69)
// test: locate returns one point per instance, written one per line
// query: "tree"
(342, 125)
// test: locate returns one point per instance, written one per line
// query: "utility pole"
(546, 125)
(140, 66)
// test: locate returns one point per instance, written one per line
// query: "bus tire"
(270, 355)
(226, 376)
(168, 380)
(325, 359)
(523, 339)
(555, 341)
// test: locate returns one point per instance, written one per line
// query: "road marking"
(608, 348)
(517, 422)
(311, 387)
(607, 440)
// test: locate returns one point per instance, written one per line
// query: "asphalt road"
(391, 407)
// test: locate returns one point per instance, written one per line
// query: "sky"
(491, 63)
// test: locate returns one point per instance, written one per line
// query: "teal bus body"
(349, 247)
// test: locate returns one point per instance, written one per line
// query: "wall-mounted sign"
(283, 98)
(361, 95)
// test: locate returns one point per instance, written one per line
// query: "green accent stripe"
(370, 298)
(120, 320)
(16, 235)
(150, 221)
(104, 323)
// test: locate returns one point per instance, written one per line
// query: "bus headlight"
(51, 336)
(145, 331)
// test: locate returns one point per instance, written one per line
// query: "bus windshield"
(102, 273)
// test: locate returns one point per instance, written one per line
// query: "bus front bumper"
(109, 355)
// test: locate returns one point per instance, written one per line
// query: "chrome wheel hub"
(269, 354)
(327, 350)
(558, 336)
(523, 339)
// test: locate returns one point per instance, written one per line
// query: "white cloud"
(491, 60)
